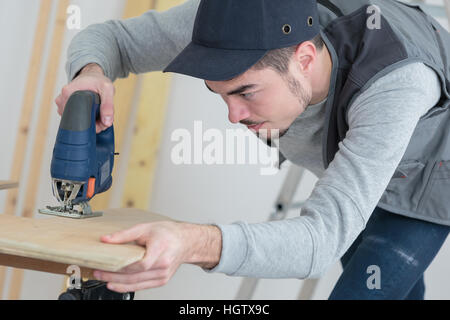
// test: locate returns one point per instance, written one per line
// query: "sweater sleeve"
(141, 44)
(381, 122)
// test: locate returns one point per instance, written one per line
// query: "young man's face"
(264, 99)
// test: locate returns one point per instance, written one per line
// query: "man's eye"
(247, 95)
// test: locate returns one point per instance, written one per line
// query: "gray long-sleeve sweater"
(381, 123)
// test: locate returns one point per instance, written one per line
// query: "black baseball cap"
(230, 36)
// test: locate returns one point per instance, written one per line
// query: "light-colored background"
(196, 193)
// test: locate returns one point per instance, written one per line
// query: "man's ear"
(305, 57)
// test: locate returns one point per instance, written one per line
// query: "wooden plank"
(41, 265)
(51, 243)
(8, 185)
(147, 133)
(123, 103)
(26, 112)
(40, 134)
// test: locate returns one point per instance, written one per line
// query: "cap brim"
(213, 64)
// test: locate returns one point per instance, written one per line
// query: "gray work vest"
(420, 187)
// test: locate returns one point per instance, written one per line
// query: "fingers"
(99, 127)
(127, 278)
(122, 282)
(66, 92)
(139, 275)
(123, 288)
(59, 103)
(164, 254)
(96, 83)
(124, 236)
(107, 107)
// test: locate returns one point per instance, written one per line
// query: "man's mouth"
(256, 127)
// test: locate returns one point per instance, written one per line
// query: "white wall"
(196, 193)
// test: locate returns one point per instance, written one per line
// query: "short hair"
(278, 59)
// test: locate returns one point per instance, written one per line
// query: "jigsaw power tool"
(82, 160)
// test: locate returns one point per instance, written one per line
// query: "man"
(364, 108)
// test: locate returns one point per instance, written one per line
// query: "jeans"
(400, 248)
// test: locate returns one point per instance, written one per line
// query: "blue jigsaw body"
(80, 154)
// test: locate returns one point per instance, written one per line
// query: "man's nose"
(237, 112)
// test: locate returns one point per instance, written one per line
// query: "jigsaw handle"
(80, 154)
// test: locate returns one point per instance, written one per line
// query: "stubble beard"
(303, 97)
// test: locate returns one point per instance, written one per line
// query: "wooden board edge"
(40, 265)
(56, 258)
